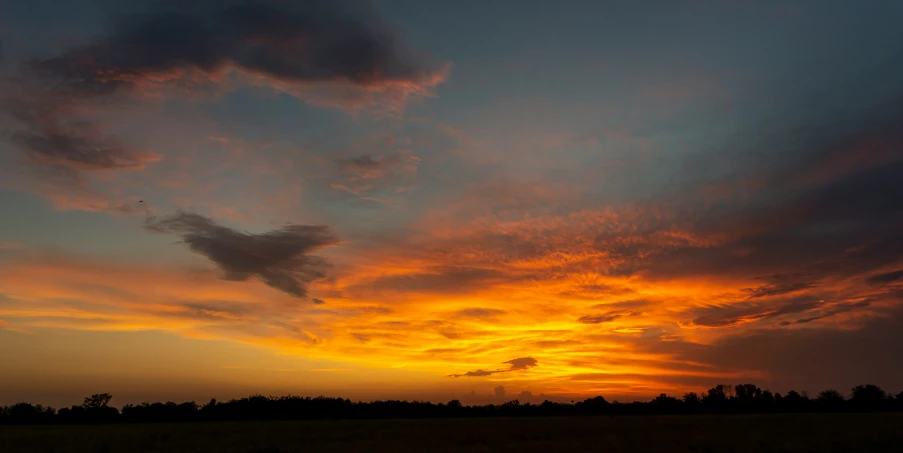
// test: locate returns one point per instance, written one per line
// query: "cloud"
(279, 258)
(735, 314)
(838, 309)
(522, 363)
(601, 318)
(477, 373)
(590, 292)
(479, 313)
(443, 280)
(307, 42)
(781, 284)
(882, 279)
(518, 364)
(499, 391)
(54, 140)
(816, 358)
(207, 310)
(374, 176)
(290, 45)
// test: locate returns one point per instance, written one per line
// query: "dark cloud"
(812, 190)
(838, 309)
(816, 358)
(883, 279)
(781, 284)
(280, 258)
(304, 42)
(219, 310)
(54, 137)
(649, 382)
(522, 363)
(477, 373)
(601, 318)
(731, 315)
(519, 364)
(318, 301)
(366, 162)
(295, 43)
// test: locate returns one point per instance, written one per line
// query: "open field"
(740, 433)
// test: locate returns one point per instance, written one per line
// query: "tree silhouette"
(691, 401)
(830, 400)
(98, 401)
(868, 397)
(744, 398)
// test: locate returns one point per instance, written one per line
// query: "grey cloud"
(731, 315)
(53, 137)
(816, 358)
(280, 258)
(522, 363)
(600, 318)
(519, 364)
(838, 309)
(882, 279)
(221, 310)
(366, 162)
(311, 41)
(477, 373)
(782, 284)
(292, 42)
(813, 190)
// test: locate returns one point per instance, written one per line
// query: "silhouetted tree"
(691, 402)
(868, 398)
(794, 402)
(596, 405)
(743, 398)
(715, 399)
(830, 401)
(747, 398)
(97, 401)
(665, 404)
(768, 401)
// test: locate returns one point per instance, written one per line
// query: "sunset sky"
(466, 199)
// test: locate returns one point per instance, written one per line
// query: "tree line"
(721, 399)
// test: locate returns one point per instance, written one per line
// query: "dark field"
(740, 433)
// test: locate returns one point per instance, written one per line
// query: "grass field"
(742, 433)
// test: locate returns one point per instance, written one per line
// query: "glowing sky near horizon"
(435, 200)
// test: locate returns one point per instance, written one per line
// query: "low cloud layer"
(280, 258)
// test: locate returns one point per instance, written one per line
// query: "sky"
(437, 200)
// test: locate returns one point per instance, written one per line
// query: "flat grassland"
(704, 433)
